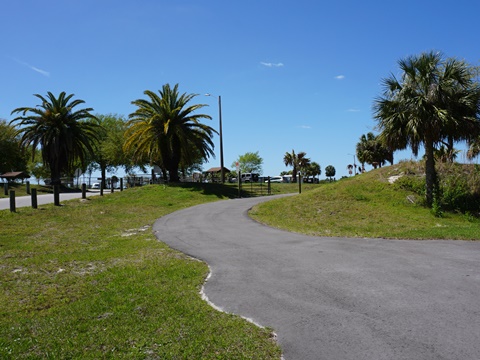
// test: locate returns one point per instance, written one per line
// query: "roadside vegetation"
(369, 205)
(89, 280)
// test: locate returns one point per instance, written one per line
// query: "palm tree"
(435, 99)
(166, 131)
(298, 161)
(64, 135)
(474, 148)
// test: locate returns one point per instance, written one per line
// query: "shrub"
(457, 194)
(411, 183)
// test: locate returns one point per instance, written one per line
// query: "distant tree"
(371, 150)
(436, 100)
(36, 167)
(250, 162)
(195, 165)
(330, 172)
(109, 154)
(12, 158)
(474, 148)
(167, 131)
(313, 169)
(445, 154)
(297, 161)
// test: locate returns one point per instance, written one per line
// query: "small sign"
(237, 165)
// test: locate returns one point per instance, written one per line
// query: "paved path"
(336, 298)
(24, 201)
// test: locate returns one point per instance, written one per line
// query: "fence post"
(299, 183)
(5, 188)
(34, 198)
(56, 195)
(12, 201)
(84, 191)
(239, 184)
(28, 187)
(121, 184)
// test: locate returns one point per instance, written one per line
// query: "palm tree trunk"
(104, 175)
(173, 172)
(430, 174)
(55, 176)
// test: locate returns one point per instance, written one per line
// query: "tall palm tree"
(297, 161)
(64, 135)
(435, 99)
(167, 132)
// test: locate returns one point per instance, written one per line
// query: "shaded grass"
(364, 206)
(21, 189)
(89, 280)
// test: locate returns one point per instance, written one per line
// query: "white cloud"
(340, 77)
(40, 71)
(269, 64)
(34, 68)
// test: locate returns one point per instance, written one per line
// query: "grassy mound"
(374, 205)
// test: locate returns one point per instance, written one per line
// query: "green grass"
(89, 280)
(364, 206)
(21, 189)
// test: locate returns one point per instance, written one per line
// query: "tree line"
(165, 130)
(433, 104)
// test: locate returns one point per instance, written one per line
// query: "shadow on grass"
(219, 190)
(229, 191)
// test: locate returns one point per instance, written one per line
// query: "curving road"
(336, 298)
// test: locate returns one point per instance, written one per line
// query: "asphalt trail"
(336, 298)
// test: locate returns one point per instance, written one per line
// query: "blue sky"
(296, 75)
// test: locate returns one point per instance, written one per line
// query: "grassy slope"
(88, 280)
(364, 206)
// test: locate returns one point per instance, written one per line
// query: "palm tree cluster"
(371, 150)
(301, 163)
(436, 101)
(163, 131)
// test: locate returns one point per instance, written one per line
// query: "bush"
(458, 187)
(411, 183)
(457, 195)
